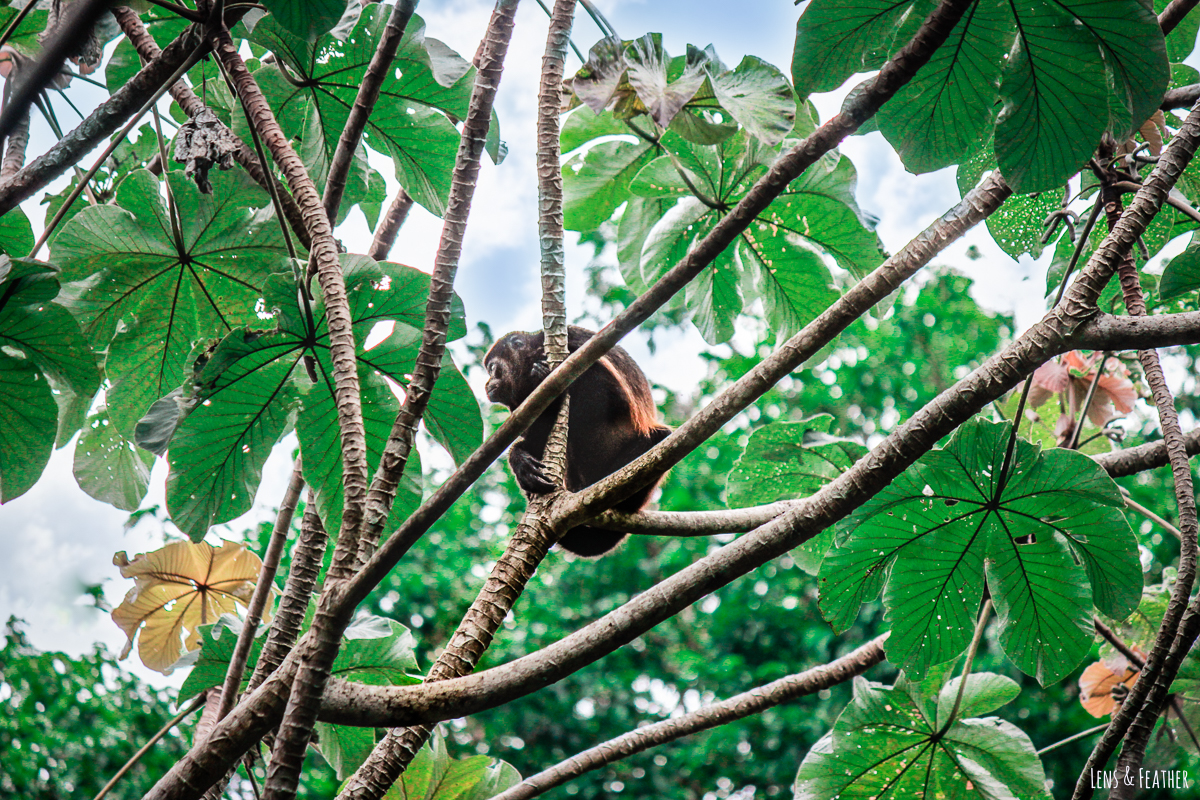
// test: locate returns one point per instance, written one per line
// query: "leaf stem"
(163, 731)
(1073, 444)
(984, 613)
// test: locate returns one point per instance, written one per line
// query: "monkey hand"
(529, 472)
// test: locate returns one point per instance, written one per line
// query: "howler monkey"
(612, 422)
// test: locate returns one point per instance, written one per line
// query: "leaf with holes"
(886, 744)
(149, 299)
(221, 425)
(1049, 541)
(110, 467)
(426, 83)
(787, 461)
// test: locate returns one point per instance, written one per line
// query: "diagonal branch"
(364, 103)
(754, 701)
(534, 535)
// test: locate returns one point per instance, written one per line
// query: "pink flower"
(1070, 377)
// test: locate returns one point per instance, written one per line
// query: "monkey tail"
(590, 542)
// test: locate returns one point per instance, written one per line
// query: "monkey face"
(504, 367)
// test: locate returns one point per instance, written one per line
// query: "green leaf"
(1049, 538)
(162, 26)
(150, 302)
(835, 39)
(16, 234)
(25, 38)
(598, 180)
(758, 96)
(433, 775)
(110, 467)
(1182, 273)
(320, 445)
(715, 299)
(787, 461)
(985, 692)
(28, 416)
(1053, 86)
(453, 417)
(41, 330)
(884, 746)
(217, 454)
(308, 19)
(427, 81)
(377, 651)
(945, 111)
(210, 662)
(1182, 40)
(345, 748)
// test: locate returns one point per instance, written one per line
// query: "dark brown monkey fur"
(613, 420)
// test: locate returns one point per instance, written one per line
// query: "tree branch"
(737, 707)
(534, 535)
(105, 120)
(389, 226)
(441, 285)
(364, 103)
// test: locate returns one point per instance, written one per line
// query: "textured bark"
(131, 25)
(884, 85)
(14, 152)
(105, 120)
(297, 592)
(313, 669)
(533, 537)
(364, 103)
(324, 256)
(737, 707)
(65, 38)
(1138, 713)
(441, 284)
(389, 226)
(262, 591)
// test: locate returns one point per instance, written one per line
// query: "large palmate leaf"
(782, 258)
(44, 357)
(835, 39)
(888, 745)
(110, 467)
(251, 386)
(307, 19)
(941, 115)
(1071, 59)
(409, 123)
(787, 461)
(1048, 539)
(149, 299)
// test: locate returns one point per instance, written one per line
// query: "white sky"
(55, 538)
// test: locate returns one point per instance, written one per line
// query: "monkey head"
(515, 365)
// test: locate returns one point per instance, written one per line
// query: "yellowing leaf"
(176, 590)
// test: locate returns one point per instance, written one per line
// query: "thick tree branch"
(1133, 460)
(364, 103)
(441, 284)
(1113, 333)
(534, 536)
(737, 707)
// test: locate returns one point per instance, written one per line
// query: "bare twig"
(153, 740)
